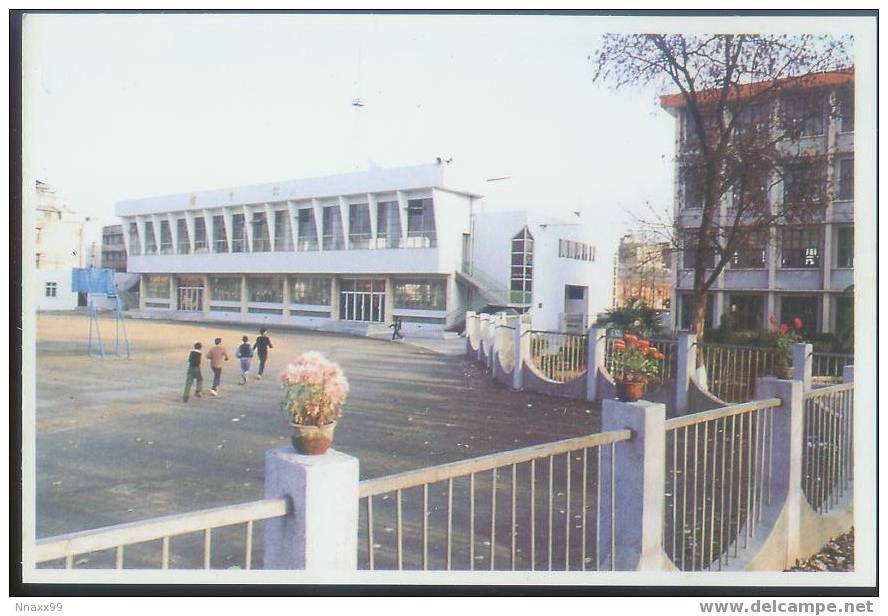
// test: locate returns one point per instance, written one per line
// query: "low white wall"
(65, 298)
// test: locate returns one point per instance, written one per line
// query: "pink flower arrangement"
(315, 389)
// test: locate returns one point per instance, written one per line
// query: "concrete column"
(244, 295)
(402, 213)
(848, 374)
(286, 312)
(373, 210)
(345, 216)
(229, 226)
(802, 364)
(174, 294)
(718, 308)
(685, 367)
(248, 227)
(770, 308)
(320, 531)
(637, 488)
(210, 227)
(517, 353)
(389, 300)
(174, 232)
(270, 223)
(595, 351)
(207, 295)
(142, 291)
(786, 468)
(334, 298)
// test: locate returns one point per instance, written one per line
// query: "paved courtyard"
(115, 442)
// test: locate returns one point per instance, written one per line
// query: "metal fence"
(559, 357)
(731, 370)
(718, 475)
(827, 368)
(536, 508)
(195, 529)
(828, 445)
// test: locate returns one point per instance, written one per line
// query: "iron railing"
(718, 475)
(828, 445)
(65, 548)
(827, 367)
(536, 508)
(557, 356)
(731, 370)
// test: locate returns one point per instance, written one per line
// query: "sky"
(124, 106)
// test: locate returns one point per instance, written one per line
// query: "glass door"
(362, 300)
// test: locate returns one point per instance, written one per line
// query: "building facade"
(113, 248)
(59, 247)
(350, 251)
(803, 268)
(643, 273)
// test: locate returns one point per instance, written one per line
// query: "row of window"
(797, 247)
(569, 249)
(415, 294)
(420, 231)
(803, 182)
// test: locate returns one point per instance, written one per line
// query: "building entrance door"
(190, 299)
(362, 300)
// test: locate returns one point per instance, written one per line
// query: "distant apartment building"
(799, 267)
(352, 252)
(59, 247)
(643, 273)
(113, 248)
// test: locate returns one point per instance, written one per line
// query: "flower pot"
(785, 372)
(630, 391)
(312, 440)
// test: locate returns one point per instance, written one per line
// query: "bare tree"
(745, 101)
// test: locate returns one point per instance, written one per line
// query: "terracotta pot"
(785, 372)
(312, 440)
(630, 391)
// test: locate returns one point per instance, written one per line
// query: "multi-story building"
(113, 248)
(58, 247)
(643, 273)
(350, 251)
(798, 267)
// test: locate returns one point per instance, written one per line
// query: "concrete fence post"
(517, 355)
(787, 432)
(848, 374)
(482, 335)
(685, 366)
(596, 346)
(320, 531)
(802, 364)
(637, 499)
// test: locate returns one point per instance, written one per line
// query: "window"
(845, 318)
(846, 110)
(238, 233)
(265, 289)
(310, 291)
(261, 240)
(846, 179)
(746, 312)
(800, 246)
(134, 243)
(150, 240)
(220, 240)
(581, 251)
(420, 223)
(51, 289)
(689, 250)
(803, 115)
(686, 311)
(283, 236)
(420, 294)
(692, 184)
(200, 235)
(225, 288)
(752, 253)
(358, 225)
(754, 120)
(803, 182)
(749, 192)
(845, 246)
(157, 286)
(521, 286)
(182, 244)
(308, 232)
(388, 222)
(804, 307)
(166, 238)
(332, 230)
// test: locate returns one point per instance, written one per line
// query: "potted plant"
(784, 337)
(315, 389)
(635, 364)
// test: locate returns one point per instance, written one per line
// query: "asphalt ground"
(115, 443)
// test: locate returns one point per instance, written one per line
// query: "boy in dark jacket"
(245, 354)
(193, 373)
(262, 344)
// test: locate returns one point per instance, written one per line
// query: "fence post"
(320, 530)
(470, 329)
(848, 374)
(633, 505)
(482, 336)
(596, 346)
(802, 362)
(685, 366)
(518, 354)
(786, 467)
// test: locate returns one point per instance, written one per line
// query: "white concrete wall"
(452, 219)
(65, 298)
